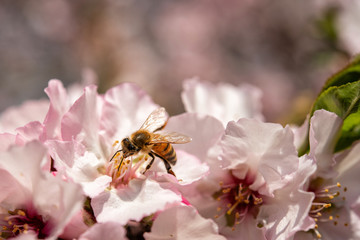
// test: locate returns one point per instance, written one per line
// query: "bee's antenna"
(116, 153)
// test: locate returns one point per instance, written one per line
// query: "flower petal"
(126, 107)
(287, 212)
(266, 148)
(58, 106)
(141, 198)
(324, 126)
(29, 111)
(83, 119)
(223, 101)
(182, 222)
(205, 131)
(107, 230)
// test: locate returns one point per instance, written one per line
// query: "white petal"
(205, 131)
(182, 222)
(108, 231)
(139, 199)
(324, 127)
(223, 101)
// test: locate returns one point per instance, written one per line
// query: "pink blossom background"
(287, 48)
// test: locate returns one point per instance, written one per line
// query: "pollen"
(236, 201)
(21, 213)
(325, 205)
(115, 143)
(117, 155)
(21, 222)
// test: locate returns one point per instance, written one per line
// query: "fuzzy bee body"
(166, 151)
(149, 139)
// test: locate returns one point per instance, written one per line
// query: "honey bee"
(153, 142)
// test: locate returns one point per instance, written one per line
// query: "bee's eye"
(127, 145)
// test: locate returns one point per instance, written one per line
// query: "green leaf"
(350, 73)
(342, 100)
(341, 95)
(350, 131)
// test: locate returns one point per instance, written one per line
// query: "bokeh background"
(286, 48)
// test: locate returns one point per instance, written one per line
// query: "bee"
(153, 142)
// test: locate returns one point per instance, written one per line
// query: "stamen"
(115, 143)
(318, 235)
(18, 222)
(324, 204)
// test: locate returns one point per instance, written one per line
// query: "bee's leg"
(150, 163)
(168, 167)
(167, 164)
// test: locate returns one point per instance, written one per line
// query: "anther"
(226, 190)
(327, 205)
(21, 213)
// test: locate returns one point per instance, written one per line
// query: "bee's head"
(128, 148)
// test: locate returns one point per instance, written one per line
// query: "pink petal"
(75, 227)
(141, 198)
(266, 148)
(107, 230)
(126, 107)
(29, 132)
(223, 101)
(6, 140)
(182, 222)
(324, 127)
(287, 213)
(205, 131)
(83, 119)
(29, 111)
(58, 106)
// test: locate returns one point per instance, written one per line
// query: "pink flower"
(182, 222)
(223, 101)
(108, 231)
(90, 135)
(254, 173)
(29, 111)
(334, 182)
(43, 111)
(34, 201)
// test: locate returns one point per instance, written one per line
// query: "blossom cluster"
(63, 177)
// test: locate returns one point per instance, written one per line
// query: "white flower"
(223, 101)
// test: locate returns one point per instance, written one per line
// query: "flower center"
(327, 201)
(236, 201)
(123, 170)
(20, 221)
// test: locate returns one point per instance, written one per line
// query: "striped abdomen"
(165, 151)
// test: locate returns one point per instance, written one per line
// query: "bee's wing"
(156, 120)
(170, 137)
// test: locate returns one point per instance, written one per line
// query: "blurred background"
(286, 48)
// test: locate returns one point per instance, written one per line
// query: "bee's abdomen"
(166, 151)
